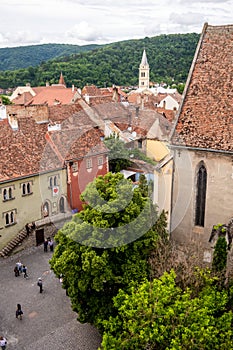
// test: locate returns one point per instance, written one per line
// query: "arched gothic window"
(62, 205)
(24, 189)
(12, 217)
(28, 187)
(5, 196)
(201, 196)
(7, 219)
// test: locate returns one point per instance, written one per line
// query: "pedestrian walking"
(40, 284)
(45, 245)
(50, 243)
(25, 275)
(19, 312)
(27, 227)
(16, 271)
(33, 226)
(3, 342)
(19, 266)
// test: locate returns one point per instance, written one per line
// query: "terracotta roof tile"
(206, 115)
(49, 95)
(26, 151)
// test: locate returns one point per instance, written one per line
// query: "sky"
(83, 22)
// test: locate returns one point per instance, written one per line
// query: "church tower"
(144, 69)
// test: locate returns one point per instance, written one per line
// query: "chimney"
(13, 121)
(73, 88)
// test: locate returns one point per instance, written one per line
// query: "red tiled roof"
(206, 116)
(25, 151)
(91, 90)
(140, 121)
(22, 150)
(102, 95)
(50, 95)
(77, 143)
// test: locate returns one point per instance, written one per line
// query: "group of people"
(20, 268)
(48, 242)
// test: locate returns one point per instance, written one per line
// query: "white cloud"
(93, 21)
(83, 31)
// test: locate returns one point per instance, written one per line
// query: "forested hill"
(12, 58)
(169, 58)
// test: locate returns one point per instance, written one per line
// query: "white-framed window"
(143, 74)
(100, 161)
(10, 217)
(26, 188)
(74, 167)
(7, 193)
(53, 180)
(88, 163)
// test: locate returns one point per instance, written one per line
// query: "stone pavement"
(48, 322)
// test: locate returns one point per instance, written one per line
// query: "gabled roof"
(77, 143)
(26, 150)
(138, 120)
(205, 117)
(49, 95)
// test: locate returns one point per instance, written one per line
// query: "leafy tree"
(121, 157)
(137, 154)
(5, 100)
(143, 186)
(220, 255)
(160, 315)
(118, 155)
(106, 246)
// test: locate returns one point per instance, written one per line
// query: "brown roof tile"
(49, 95)
(26, 151)
(206, 115)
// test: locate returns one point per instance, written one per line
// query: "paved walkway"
(48, 322)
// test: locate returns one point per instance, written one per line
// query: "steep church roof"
(61, 80)
(144, 61)
(205, 117)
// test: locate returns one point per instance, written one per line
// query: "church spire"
(144, 78)
(62, 80)
(144, 61)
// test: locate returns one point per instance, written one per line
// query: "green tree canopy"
(160, 315)
(119, 157)
(94, 257)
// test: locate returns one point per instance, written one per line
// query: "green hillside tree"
(160, 315)
(106, 246)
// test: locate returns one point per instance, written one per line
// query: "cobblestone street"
(48, 322)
